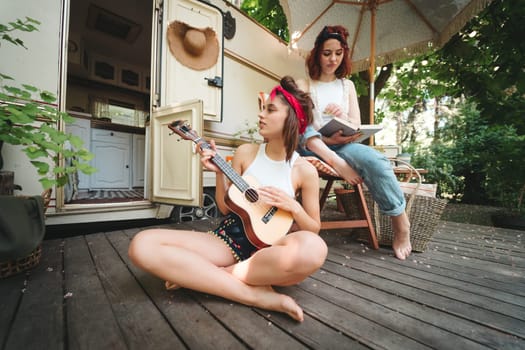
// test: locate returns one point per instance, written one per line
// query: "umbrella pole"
(371, 71)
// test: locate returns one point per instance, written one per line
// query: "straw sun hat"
(196, 48)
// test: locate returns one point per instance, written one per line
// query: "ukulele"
(263, 224)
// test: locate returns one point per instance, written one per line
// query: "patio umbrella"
(381, 31)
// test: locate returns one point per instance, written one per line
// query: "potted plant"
(252, 130)
(34, 127)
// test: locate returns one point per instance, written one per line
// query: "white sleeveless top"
(274, 173)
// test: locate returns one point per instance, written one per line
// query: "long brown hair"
(291, 124)
(312, 61)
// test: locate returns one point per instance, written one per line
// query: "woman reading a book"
(328, 66)
(225, 262)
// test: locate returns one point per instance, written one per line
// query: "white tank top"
(270, 172)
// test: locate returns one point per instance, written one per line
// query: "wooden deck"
(467, 291)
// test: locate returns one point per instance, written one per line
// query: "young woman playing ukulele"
(224, 262)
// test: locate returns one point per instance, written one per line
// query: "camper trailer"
(121, 69)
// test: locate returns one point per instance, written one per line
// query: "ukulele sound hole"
(251, 195)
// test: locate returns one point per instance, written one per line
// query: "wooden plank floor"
(467, 291)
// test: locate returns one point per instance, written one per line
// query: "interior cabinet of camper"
(112, 159)
(118, 156)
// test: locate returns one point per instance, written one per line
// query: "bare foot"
(269, 299)
(171, 286)
(345, 170)
(401, 242)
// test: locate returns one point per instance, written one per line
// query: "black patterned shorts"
(231, 231)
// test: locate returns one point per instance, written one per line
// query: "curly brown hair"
(337, 32)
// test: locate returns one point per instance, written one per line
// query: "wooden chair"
(328, 174)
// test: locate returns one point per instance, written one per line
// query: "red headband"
(294, 104)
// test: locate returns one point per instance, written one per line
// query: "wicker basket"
(348, 201)
(14, 266)
(423, 212)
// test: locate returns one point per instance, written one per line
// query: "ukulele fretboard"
(231, 174)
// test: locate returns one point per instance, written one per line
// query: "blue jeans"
(373, 167)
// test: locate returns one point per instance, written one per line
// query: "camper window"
(117, 112)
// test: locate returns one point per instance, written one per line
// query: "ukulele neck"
(226, 168)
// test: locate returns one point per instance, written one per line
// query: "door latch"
(217, 81)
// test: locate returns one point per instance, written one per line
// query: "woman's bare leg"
(401, 241)
(400, 224)
(195, 260)
(289, 261)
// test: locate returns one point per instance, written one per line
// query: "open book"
(337, 124)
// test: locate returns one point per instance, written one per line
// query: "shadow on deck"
(467, 291)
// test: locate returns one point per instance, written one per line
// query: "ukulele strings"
(249, 192)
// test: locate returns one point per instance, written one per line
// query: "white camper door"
(182, 94)
(177, 175)
(178, 82)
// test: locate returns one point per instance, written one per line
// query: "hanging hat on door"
(196, 48)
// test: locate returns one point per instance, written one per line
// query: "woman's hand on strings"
(207, 156)
(278, 198)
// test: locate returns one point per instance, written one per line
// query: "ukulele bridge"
(269, 214)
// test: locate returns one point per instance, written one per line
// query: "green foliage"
(416, 92)
(476, 162)
(486, 61)
(505, 173)
(270, 14)
(33, 126)
(361, 84)
(27, 25)
(476, 155)
(416, 81)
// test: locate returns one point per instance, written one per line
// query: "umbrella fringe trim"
(389, 57)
